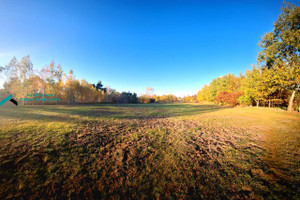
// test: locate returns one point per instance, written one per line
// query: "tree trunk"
(257, 103)
(290, 106)
(269, 103)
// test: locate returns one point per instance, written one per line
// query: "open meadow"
(148, 151)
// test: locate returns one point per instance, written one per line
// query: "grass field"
(153, 151)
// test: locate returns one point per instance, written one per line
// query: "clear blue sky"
(173, 46)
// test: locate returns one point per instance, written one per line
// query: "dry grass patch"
(240, 153)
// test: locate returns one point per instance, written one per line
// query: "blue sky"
(173, 46)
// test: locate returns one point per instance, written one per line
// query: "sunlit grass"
(164, 151)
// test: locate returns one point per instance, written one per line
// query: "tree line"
(275, 80)
(22, 79)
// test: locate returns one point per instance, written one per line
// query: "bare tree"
(149, 91)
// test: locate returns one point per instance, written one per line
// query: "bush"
(228, 98)
(146, 99)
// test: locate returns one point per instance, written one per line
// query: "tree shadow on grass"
(104, 111)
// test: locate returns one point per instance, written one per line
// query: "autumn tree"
(228, 98)
(202, 95)
(280, 51)
(50, 80)
(70, 85)
(226, 83)
(148, 97)
(251, 84)
(18, 74)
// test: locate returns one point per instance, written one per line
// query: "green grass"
(152, 151)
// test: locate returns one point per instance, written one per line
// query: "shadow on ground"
(104, 111)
